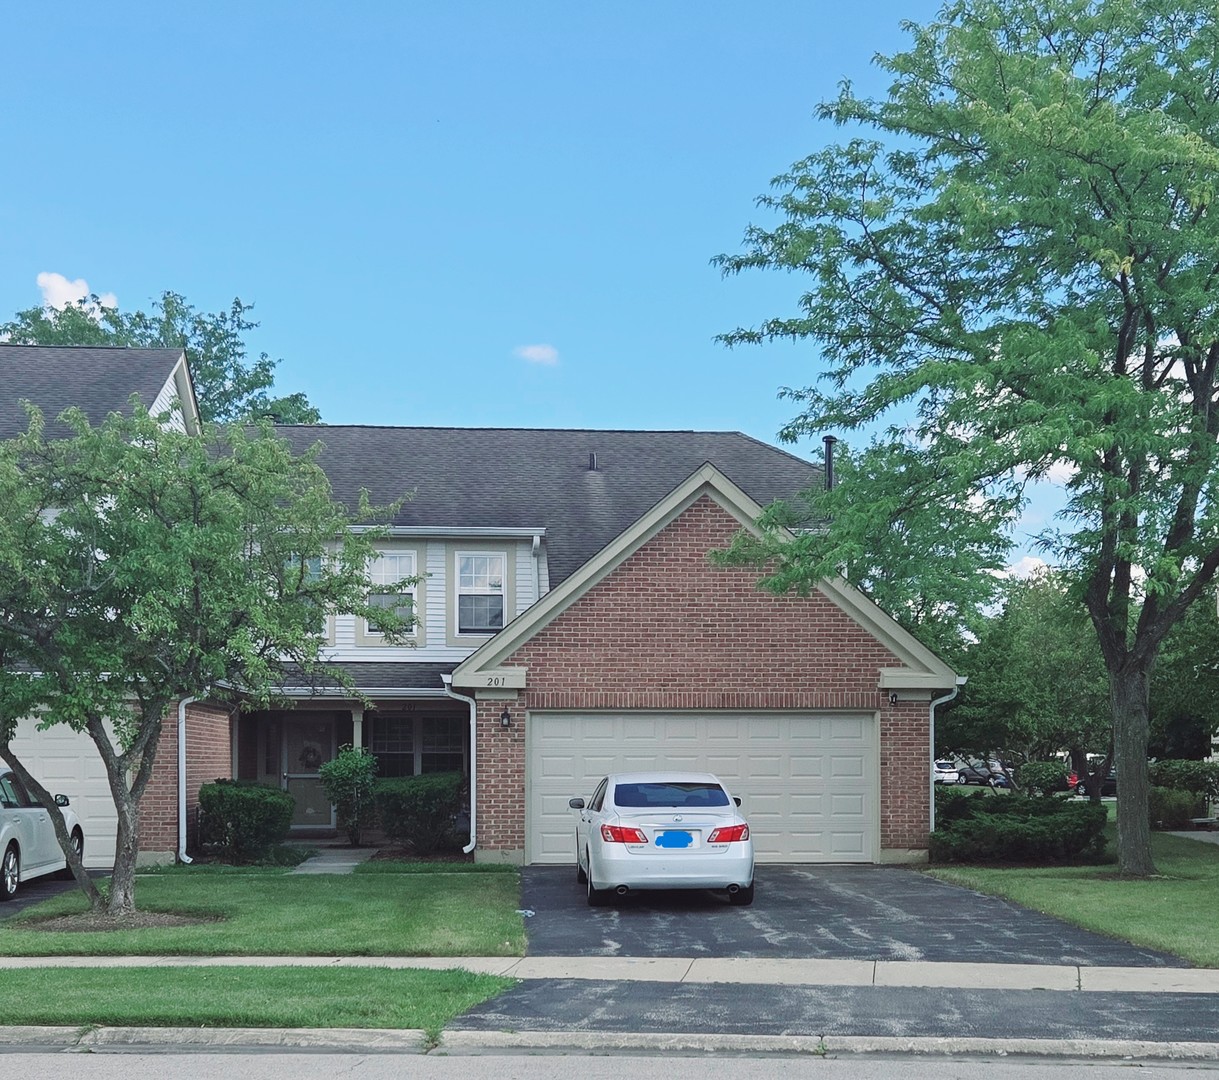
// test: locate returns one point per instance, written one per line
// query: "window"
(393, 741)
(388, 571)
(480, 592)
(409, 745)
(301, 574)
(442, 746)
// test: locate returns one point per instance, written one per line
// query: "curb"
(456, 1043)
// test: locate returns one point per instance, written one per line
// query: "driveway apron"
(815, 912)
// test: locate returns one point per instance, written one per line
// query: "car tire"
(596, 897)
(581, 876)
(962, 780)
(743, 897)
(10, 872)
(78, 845)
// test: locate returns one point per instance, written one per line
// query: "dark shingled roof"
(540, 478)
(402, 675)
(98, 380)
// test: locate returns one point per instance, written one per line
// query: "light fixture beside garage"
(505, 718)
(892, 699)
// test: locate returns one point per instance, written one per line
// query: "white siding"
(167, 401)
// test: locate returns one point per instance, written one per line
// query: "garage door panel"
(808, 784)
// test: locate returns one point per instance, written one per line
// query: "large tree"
(140, 566)
(1016, 266)
(230, 386)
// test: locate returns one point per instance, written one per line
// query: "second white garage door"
(809, 783)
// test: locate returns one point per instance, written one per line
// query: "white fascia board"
(338, 693)
(445, 530)
(187, 402)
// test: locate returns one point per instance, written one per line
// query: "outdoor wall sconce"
(892, 700)
(505, 718)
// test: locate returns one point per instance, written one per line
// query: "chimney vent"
(829, 441)
(592, 462)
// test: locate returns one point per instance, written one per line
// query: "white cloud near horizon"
(1025, 567)
(58, 292)
(547, 355)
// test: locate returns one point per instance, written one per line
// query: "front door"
(308, 743)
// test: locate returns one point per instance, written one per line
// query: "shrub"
(1197, 776)
(418, 811)
(1018, 829)
(953, 803)
(348, 781)
(1043, 777)
(241, 821)
(1172, 809)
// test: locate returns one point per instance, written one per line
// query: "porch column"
(357, 727)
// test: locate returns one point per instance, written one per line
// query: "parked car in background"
(27, 837)
(1108, 786)
(671, 830)
(986, 773)
(945, 772)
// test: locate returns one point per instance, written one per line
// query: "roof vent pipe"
(592, 462)
(829, 441)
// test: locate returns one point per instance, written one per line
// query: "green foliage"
(1185, 691)
(242, 822)
(1173, 808)
(1014, 829)
(1037, 681)
(1011, 265)
(1200, 777)
(170, 567)
(418, 811)
(954, 803)
(349, 779)
(1042, 777)
(228, 385)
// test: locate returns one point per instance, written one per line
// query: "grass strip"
(300, 997)
(1173, 912)
(395, 866)
(301, 915)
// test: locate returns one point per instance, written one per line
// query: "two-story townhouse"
(570, 622)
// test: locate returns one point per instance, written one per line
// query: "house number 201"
(497, 680)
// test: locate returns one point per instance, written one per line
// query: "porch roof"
(367, 677)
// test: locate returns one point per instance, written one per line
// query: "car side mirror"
(576, 804)
(61, 800)
(736, 799)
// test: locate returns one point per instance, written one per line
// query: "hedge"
(1018, 829)
(240, 821)
(418, 812)
(1171, 809)
(1179, 775)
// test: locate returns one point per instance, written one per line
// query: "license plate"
(674, 838)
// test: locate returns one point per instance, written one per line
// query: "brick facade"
(667, 630)
(208, 757)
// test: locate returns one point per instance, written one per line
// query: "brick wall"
(666, 630)
(208, 756)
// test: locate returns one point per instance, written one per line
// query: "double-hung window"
(481, 592)
(301, 574)
(387, 573)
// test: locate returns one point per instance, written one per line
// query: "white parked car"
(665, 830)
(945, 772)
(27, 837)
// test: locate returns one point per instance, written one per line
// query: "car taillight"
(729, 834)
(620, 834)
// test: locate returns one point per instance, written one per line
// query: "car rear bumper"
(671, 871)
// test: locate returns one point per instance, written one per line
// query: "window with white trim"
(481, 592)
(389, 569)
(301, 574)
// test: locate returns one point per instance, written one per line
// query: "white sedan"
(27, 837)
(662, 831)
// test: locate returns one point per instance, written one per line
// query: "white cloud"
(538, 354)
(58, 292)
(1025, 567)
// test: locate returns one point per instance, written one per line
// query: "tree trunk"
(1130, 693)
(121, 898)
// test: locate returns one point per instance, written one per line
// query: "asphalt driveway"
(818, 912)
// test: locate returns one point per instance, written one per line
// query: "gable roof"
(98, 380)
(540, 478)
(920, 670)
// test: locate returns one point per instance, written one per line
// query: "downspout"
(182, 777)
(961, 679)
(448, 689)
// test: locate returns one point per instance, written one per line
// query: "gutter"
(182, 704)
(961, 680)
(450, 692)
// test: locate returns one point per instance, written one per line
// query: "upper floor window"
(389, 570)
(301, 575)
(480, 592)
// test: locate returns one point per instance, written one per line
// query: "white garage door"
(809, 784)
(68, 764)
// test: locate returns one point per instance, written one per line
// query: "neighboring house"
(569, 624)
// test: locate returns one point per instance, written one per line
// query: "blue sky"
(445, 212)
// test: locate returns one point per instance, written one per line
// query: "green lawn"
(1174, 912)
(244, 997)
(268, 913)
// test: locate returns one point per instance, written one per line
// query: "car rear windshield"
(670, 794)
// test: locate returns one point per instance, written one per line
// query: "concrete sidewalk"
(690, 970)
